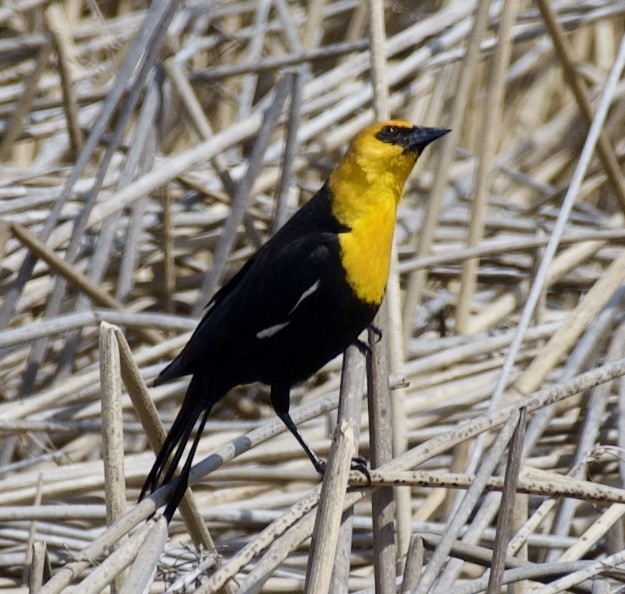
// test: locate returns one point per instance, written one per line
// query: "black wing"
(314, 217)
(265, 289)
(273, 290)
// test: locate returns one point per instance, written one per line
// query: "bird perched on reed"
(302, 298)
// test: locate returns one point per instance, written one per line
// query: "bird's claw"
(363, 347)
(320, 466)
(359, 464)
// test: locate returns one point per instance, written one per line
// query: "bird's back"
(285, 314)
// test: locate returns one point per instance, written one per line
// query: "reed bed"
(147, 151)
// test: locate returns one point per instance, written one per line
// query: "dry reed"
(146, 152)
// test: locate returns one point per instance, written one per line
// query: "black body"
(286, 313)
(225, 350)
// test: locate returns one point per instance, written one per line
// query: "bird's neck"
(363, 190)
(366, 205)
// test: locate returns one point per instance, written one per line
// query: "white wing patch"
(307, 293)
(267, 332)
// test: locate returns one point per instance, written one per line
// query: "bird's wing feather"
(267, 292)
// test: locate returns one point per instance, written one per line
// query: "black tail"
(197, 399)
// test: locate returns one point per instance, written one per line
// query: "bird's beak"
(420, 137)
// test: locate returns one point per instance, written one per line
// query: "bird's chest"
(366, 254)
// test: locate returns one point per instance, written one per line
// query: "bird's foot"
(360, 464)
(363, 347)
(320, 465)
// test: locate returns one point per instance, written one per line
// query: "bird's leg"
(359, 464)
(318, 463)
(280, 400)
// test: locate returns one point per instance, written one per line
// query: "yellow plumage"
(366, 186)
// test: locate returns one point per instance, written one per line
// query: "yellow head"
(377, 165)
(365, 188)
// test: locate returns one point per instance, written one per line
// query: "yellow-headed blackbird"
(302, 298)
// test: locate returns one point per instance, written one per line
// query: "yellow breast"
(366, 253)
(365, 188)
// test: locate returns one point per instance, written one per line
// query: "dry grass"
(144, 154)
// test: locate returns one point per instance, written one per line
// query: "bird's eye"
(391, 129)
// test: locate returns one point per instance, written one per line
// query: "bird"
(301, 299)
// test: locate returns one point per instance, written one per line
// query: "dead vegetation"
(145, 152)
